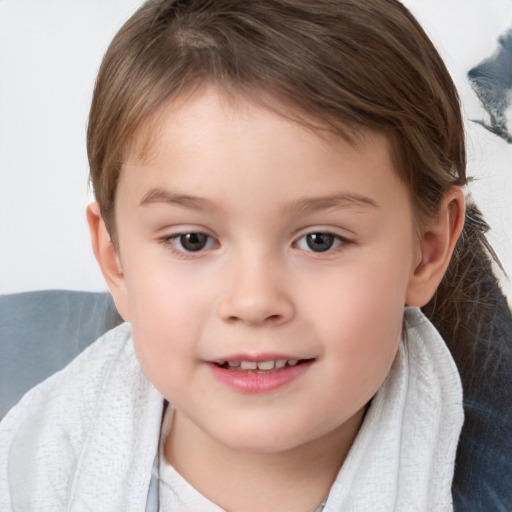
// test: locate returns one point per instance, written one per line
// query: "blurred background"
(50, 51)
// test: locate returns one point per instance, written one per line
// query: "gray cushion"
(42, 331)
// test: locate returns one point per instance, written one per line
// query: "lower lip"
(253, 382)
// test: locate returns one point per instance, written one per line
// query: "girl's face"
(264, 270)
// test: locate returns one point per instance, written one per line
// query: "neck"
(295, 480)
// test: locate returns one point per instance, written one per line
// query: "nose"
(256, 294)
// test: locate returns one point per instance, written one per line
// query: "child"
(278, 189)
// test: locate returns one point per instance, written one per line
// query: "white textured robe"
(86, 438)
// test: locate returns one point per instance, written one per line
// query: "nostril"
(255, 309)
(255, 320)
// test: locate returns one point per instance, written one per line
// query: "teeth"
(262, 365)
(266, 365)
(248, 365)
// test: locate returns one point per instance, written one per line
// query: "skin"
(257, 184)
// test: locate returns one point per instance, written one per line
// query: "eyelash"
(336, 240)
(172, 241)
(333, 243)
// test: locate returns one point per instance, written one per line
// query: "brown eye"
(192, 242)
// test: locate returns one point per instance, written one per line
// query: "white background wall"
(49, 53)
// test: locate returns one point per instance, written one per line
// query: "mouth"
(264, 375)
(270, 366)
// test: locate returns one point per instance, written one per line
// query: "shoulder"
(82, 377)
(426, 344)
(45, 439)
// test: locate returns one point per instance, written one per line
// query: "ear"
(108, 258)
(437, 243)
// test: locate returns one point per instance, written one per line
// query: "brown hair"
(352, 65)
(347, 65)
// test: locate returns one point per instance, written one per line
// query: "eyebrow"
(158, 195)
(345, 199)
(340, 200)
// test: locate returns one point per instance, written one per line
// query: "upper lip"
(258, 358)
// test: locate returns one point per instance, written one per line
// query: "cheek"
(362, 353)
(162, 293)
(360, 321)
(167, 317)
(363, 299)
(364, 332)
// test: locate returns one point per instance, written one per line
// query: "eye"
(319, 242)
(192, 242)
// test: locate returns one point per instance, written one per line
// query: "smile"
(259, 377)
(258, 365)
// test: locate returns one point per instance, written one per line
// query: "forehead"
(202, 100)
(208, 113)
(207, 145)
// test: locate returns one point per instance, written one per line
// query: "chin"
(266, 439)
